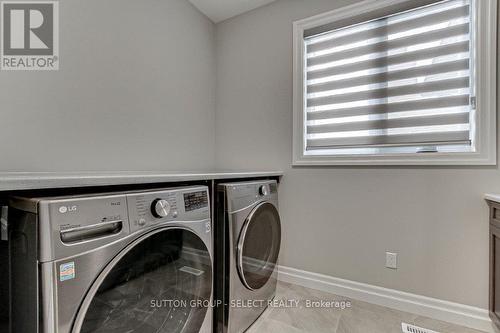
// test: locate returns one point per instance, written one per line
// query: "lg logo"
(29, 35)
(67, 209)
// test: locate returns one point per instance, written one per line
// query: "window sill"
(422, 159)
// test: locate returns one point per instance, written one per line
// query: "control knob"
(160, 208)
(263, 190)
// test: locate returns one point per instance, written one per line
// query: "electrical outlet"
(391, 260)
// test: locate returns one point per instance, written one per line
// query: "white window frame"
(485, 86)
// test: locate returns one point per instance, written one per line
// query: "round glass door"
(259, 246)
(161, 284)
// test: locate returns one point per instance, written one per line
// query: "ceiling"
(220, 10)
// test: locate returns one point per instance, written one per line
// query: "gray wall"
(135, 91)
(340, 221)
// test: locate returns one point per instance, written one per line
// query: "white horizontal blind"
(399, 81)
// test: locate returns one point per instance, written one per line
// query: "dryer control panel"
(244, 194)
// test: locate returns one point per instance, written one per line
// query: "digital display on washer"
(195, 200)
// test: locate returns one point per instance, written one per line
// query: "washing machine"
(249, 235)
(135, 262)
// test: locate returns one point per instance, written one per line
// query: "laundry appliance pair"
(143, 261)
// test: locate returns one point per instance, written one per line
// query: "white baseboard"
(451, 312)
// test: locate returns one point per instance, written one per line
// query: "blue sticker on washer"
(67, 271)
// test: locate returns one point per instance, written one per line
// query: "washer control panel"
(148, 209)
(74, 224)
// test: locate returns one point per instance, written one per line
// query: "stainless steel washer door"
(161, 283)
(259, 246)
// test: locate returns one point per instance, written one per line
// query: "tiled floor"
(361, 317)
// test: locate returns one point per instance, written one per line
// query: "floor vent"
(407, 328)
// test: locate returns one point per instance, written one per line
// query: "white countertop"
(492, 197)
(44, 180)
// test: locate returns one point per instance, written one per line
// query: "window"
(396, 82)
